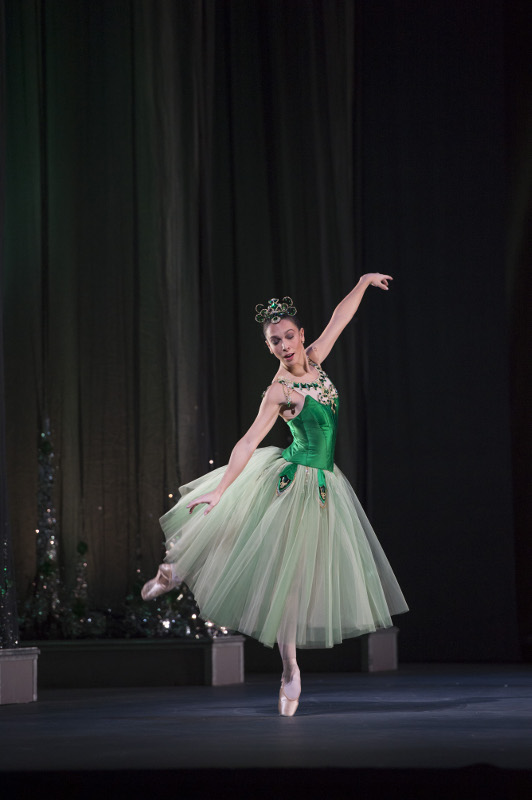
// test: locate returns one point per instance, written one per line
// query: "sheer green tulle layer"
(282, 565)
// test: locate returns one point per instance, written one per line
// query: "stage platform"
(432, 731)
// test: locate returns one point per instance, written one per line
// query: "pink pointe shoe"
(163, 582)
(287, 707)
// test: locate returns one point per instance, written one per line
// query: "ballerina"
(283, 550)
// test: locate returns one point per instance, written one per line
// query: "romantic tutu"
(287, 553)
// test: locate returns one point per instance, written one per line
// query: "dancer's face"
(285, 341)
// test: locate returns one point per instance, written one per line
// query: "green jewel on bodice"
(327, 392)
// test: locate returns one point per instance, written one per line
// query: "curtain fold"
(9, 631)
(171, 165)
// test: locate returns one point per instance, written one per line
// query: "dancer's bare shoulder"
(274, 394)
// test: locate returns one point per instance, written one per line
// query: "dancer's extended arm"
(246, 446)
(344, 313)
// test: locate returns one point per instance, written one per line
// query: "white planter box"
(18, 675)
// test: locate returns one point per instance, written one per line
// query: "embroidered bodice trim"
(327, 392)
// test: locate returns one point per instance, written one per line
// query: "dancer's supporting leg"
(291, 675)
(290, 682)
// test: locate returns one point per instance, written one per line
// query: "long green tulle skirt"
(283, 566)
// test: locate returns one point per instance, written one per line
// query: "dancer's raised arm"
(344, 313)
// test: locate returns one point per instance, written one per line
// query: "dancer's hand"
(211, 499)
(378, 279)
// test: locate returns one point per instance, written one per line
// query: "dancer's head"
(282, 330)
(285, 339)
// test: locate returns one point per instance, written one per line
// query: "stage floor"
(430, 717)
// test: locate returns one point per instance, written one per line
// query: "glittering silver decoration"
(78, 621)
(42, 610)
(8, 600)
(172, 615)
(50, 612)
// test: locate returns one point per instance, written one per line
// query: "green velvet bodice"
(314, 432)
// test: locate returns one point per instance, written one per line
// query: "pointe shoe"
(163, 582)
(287, 707)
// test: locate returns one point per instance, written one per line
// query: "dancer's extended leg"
(165, 580)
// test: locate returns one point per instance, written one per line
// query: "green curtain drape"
(171, 165)
(9, 631)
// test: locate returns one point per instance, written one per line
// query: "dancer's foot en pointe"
(164, 581)
(290, 689)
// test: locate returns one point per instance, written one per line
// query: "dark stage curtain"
(171, 164)
(8, 599)
(518, 87)
(435, 188)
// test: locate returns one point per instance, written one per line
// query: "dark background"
(167, 165)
